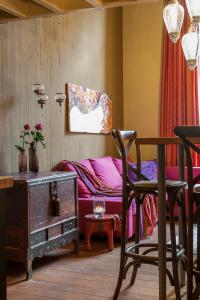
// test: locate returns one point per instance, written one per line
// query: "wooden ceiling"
(12, 10)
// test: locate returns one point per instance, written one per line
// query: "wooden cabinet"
(41, 215)
(5, 183)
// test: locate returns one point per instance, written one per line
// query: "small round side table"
(100, 224)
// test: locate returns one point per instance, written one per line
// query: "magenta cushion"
(106, 171)
(118, 165)
(83, 190)
(87, 164)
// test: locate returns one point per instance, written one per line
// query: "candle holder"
(99, 207)
(39, 91)
(60, 98)
(42, 99)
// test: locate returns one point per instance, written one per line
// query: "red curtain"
(179, 100)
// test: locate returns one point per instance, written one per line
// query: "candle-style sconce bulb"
(38, 88)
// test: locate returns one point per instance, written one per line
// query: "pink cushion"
(106, 171)
(118, 165)
(83, 190)
(87, 164)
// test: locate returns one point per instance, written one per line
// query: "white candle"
(99, 210)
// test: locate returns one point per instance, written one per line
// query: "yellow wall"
(142, 51)
(83, 48)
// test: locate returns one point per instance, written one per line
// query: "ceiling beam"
(112, 3)
(17, 8)
(51, 5)
(95, 3)
(116, 3)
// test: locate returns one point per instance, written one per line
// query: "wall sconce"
(60, 98)
(42, 97)
(39, 91)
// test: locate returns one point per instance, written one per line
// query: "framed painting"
(89, 111)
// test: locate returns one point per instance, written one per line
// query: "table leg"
(161, 222)
(2, 246)
(88, 233)
(110, 239)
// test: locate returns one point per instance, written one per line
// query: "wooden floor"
(86, 276)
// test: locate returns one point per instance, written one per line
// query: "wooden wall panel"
(84, 48)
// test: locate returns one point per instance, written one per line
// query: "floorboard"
(63, 275)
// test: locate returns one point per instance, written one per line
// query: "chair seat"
(152, 185)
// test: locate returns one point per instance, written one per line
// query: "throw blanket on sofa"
(97, 187)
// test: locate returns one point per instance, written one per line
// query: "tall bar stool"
(193, 268)
(124, 141)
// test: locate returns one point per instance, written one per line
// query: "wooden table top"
(105, 217)
(6, 182)
(163, 140)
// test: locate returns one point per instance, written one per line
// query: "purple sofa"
(109, 170)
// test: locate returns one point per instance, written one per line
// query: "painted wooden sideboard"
(41, 215)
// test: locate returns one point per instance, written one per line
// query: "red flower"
(27, 126)
(39, 126)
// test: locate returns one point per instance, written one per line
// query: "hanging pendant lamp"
(173, 15)
(193, 7)
(190, 45)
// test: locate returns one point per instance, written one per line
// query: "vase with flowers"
(24, 134)
(31, 138)
(36, 136)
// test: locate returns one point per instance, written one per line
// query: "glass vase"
(33, 159)
(22, 161)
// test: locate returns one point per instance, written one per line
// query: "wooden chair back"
(185, 133)
(124, 141)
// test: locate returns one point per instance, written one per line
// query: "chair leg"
(190, 246)
(183, 222)
(173, 245)
(197, 277)
(123, 257)
(182, 236)
(137, 239)
(196, 293)
(121, 275)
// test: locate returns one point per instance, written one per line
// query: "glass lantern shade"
(38, 88)
(190, 45)
(193, 7)
(173, 15)
(99, 206)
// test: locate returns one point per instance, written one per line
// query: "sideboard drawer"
(42, 212)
